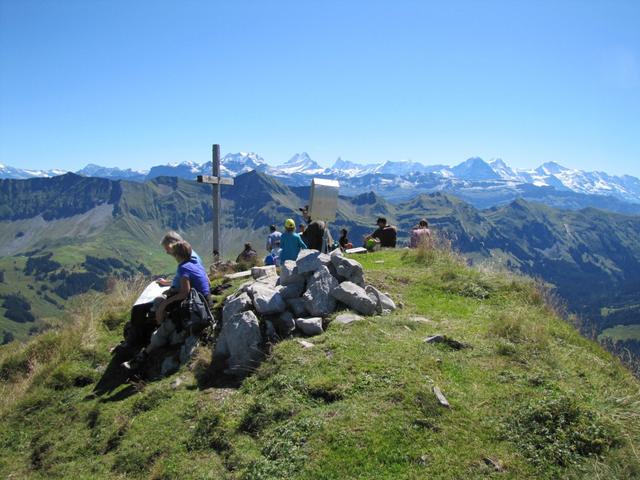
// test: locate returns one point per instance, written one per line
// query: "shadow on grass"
(114, 377)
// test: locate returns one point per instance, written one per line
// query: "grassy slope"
(356, 405)
(116, 241)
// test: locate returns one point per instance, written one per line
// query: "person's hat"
(304, 209)
(289, 224)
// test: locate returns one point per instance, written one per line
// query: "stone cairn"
(296, 302)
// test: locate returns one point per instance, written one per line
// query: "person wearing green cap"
(290, 242)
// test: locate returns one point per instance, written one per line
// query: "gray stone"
(269, 281)
(449, 342)
(297, 306)
(305, 344)
(239, 342)
(267, 300)
(289, 273)
(234, 276)
(309, 261)
(236, 304)
(347, 318)
(384, 304)
(348, 269)
(292, 290)
(267, 271)
(310, 326)
(318, 299)
(442, 400)
(284, 324)
(355, 298)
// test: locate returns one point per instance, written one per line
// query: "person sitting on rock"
(168, 241)
(192, 275)
(290, 242)
(248, 257)
(420, 234)
(385, 235)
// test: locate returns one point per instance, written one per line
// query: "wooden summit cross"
(216, 180)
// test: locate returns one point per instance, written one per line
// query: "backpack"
(195, 313)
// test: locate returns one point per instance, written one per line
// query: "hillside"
(530, 397)
(63, 236)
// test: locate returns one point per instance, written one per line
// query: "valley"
(57, 231)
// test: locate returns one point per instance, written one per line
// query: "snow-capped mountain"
(300, 163)
(93, 170)
(475, 169)
(395, 179)
(20, 173)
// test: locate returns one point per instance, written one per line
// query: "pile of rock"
(295, 302)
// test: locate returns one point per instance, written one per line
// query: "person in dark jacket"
(313, 235)
(385, 235)
(344, 239)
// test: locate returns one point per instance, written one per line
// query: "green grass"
(530, 394)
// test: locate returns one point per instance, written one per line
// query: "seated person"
(168, 241)
(420, 234)
(248, 256)
(191, 275)
(344, 240)
(385, 235)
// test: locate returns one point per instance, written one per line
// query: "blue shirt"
(290, 245)
(196, 274)
(175, 283)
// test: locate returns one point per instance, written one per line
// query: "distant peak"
(551, 168)
(299, 157)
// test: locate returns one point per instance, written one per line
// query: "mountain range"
(481, 183)
(68, 234)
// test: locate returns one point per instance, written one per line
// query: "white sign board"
(323, 202)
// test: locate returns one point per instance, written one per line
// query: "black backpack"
(195, 313)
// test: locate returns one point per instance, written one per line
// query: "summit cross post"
(216, 180)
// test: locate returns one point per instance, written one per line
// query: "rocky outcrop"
(272, 307)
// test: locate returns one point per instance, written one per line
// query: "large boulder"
(309, 261)
(384, 304)
(236, 304)
(267, 300)
(292, 290)
(266, 271)
(318, 299)
(289, 273)
(309, 326)
(239, 343)
(355, 297)
(297, 306)
(348, 269)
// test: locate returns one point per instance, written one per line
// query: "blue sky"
(133, 84)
